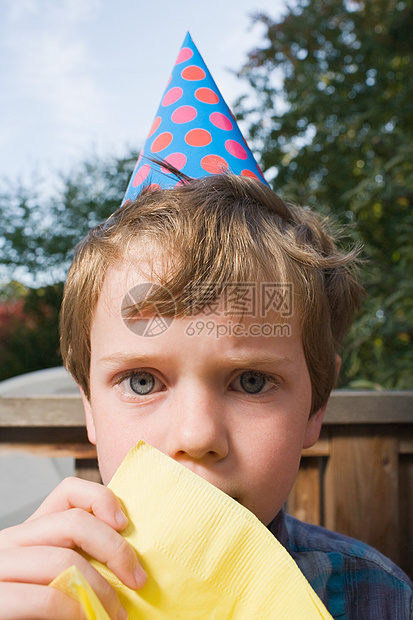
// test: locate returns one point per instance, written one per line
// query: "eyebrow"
(258, 360)
(240, 361)
(125, 358)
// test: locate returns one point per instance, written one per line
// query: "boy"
(213, 388)
(203, 318)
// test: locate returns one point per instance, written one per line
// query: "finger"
(21, 601)
(76, 528)
(40, 565)
(90, 496)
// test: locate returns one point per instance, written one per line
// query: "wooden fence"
(357, 479)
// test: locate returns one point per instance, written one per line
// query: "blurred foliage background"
(37, 235)
(328, 111)
(331, 112)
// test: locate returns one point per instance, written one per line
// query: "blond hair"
(224, 229)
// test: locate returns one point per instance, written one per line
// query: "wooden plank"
(367, 407)
(361, 489)
(304, 499)
(88, 469)
(85, 450)
(321, 448)
(345, 407)
(59, 411)
(406, 444)
(44, 435)
(77, 450)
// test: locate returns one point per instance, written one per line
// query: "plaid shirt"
(354, 581)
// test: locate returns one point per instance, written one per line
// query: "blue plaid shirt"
(354, 581)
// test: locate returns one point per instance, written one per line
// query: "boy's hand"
(77, 515)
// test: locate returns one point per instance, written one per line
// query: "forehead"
(234, 321)
(210, 337)
(129, 283)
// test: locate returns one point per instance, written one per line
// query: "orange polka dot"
(193, 73)
(214, 164)
(154, 187)
(249, 173)
(206, 95)
(161, 142)
(198, 137)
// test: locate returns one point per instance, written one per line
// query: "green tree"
(29, 329)
(331, 114)
(39, 231)
(37, 236)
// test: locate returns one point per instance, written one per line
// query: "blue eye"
(142, 383)
(252, 382)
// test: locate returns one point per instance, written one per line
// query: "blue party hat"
(193, 130)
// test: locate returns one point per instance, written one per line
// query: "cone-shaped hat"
(194, 130)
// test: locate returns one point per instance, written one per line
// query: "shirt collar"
(278, 527)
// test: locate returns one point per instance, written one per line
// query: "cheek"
(113, 443)
(116, 435)
(279, 479)
(273, 468)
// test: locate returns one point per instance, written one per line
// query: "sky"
(85, 77)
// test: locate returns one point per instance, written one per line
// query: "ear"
(90, 425)
(313, 428)
(338, 365)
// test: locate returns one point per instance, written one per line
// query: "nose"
(198, 429)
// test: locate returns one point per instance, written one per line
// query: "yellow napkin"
(206, 555)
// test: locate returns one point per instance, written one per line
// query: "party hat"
(193, 130)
